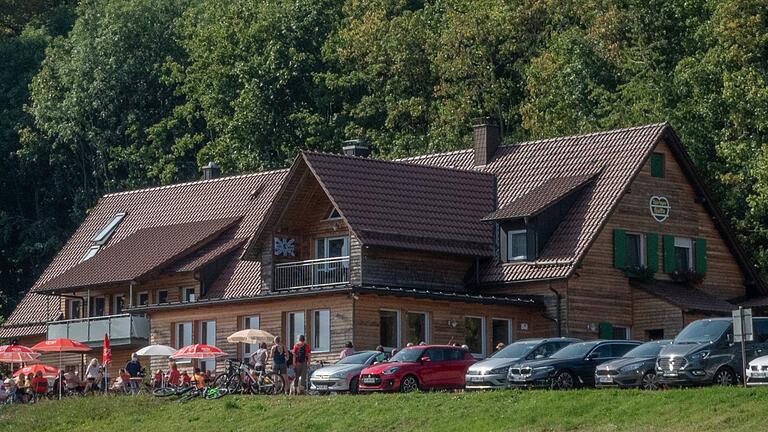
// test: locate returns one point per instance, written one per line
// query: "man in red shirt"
(301, 357)
(39, 385)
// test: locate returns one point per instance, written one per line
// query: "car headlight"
(390, 370)
(630, 368)
(339, 375)
(542, 370)
(701, 355)
(498, 371)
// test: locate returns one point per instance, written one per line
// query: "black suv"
(705, 353)
(572, 366)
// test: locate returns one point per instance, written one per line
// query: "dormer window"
(334, 214)
(517, 245)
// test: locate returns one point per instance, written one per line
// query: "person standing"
(133, 367)
(259, 358)
(348, 349)
(301, 359)
(91, 374)
(279, 355)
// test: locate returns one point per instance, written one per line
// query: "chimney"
(211, 171)
(356, 147)
(486, 137)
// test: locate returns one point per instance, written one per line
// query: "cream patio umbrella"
(251, 336)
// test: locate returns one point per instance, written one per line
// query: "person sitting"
(3, 394)
(20, 389)
(39, 385)
(186, 380)
(199, 378)
(10, 391)
(122, 382)
(72, 382)
(157, 382)
(174, 377)
(209, 376)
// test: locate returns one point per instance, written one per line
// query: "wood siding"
(413, 269)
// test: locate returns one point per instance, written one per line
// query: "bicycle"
(171, 391)
(241, 378)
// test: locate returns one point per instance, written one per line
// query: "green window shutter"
(652, 251)
(619, 248)
(669, 254)
(701, 255)
(606, 330)
(657, 165)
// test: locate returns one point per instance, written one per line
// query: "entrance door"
(333, 272)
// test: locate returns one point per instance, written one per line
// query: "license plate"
(518, 378)
(605, 379)
(475, 379)
(369, 380)
(321, 387)
(670, 374)
(759, 374)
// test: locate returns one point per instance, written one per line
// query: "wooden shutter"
(657, 165)
(652, 251)
(669, 254)
(619, 248)
(606, 330)
(701, 255)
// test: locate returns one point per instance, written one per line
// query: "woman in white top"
(91, 373)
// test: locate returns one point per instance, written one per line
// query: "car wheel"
(650, 381)
(354, 386)
(409, 384)
(564, 380)
(725, 377)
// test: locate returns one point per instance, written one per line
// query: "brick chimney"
(356, 147)
(486, 138)
(211, 171)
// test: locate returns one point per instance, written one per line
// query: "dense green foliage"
(105, 95)
(695, 410)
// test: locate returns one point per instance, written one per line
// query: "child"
(39, 385)
(199, 379)
(185, 379)
(158, 381)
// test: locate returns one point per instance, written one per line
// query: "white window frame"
(113, 311)
(249, 349)
(157, 296)
(483, 335)
(510, 328)
(315, 327)
(292, 338)
(204, 363)
(643, 257)
(179, 334)
(70, 313)
(105, 233)
(687, 243)
(398, 329)
(426, 324)
(511, 233)
(184, 291)
(627, 328)
(326, 241)
(90, 253)
(138, 298)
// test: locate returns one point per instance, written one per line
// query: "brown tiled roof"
(30, 316)
(540, 197)
(146, 251)
(685, 297)
(618, 155)
(208, 254)
(409, 206)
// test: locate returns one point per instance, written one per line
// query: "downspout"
(559, 312)
(130, 294)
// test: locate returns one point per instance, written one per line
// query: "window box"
(687, 276)
(640, 273)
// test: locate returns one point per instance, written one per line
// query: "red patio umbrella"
(48, 371)
(60, 346)
(17, 354)
(198, 351)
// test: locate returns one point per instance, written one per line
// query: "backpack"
(301, 354)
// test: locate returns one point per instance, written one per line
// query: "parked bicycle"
(242, 378)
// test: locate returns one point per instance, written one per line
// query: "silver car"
(492, 372)
(343, 375)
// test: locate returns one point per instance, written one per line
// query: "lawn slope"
(699, 410)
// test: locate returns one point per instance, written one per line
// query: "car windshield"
(357, 358)
(702, 331)
(650, 349)
(411, 355)
(516, 350)
(574, 351)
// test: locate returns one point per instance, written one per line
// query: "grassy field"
(699, 410)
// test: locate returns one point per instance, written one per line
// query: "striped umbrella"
(199, 351)
(48, 371)
(17, 354)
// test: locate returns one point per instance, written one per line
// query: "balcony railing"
(312, 273)
(122, 329)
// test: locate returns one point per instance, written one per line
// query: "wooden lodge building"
(610, 235)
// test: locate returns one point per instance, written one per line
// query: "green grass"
(709, 409)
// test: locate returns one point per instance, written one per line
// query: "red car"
(419, 368)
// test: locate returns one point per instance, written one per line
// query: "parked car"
(636, 368)
(419, 367)
(344, 375)
(492, 372)
(571, 367)
(757, 372)
(705, 353)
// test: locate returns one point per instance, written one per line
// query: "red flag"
(106, 355)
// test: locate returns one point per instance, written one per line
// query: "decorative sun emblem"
(285, 247)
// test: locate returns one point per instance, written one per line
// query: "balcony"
(123, 330)
(312, 273)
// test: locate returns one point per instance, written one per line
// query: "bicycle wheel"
(189, 396)
(221, 380)
(164, 392)
(272, 383)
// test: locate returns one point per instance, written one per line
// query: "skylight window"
(107, 231)
(90, 253)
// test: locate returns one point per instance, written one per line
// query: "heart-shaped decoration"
(660, 208)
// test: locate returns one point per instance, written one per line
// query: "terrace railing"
(124, 329)
(311, 273)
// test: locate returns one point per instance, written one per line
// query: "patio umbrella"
(17, 354)
(48, 371)
(156, 350)
(61, 346)
(251, 336)
(198, 351)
